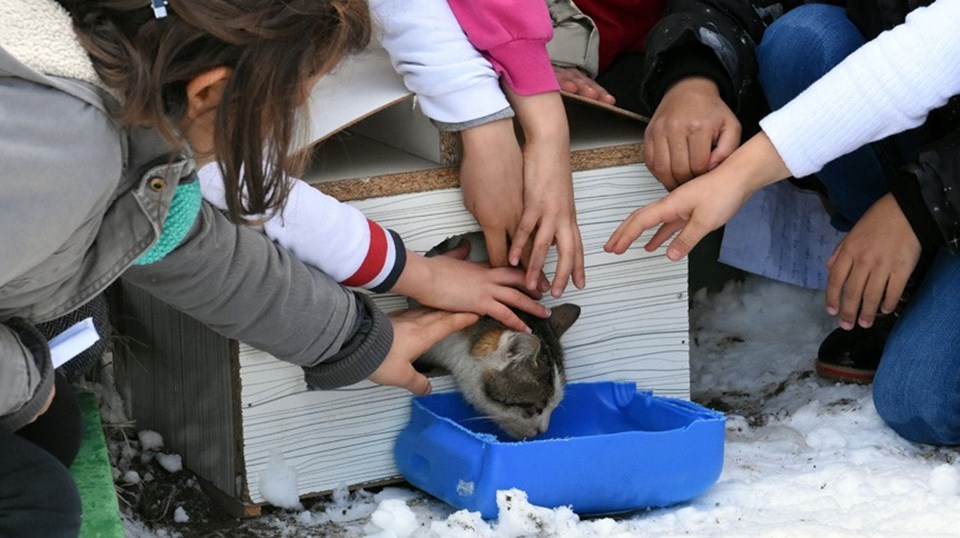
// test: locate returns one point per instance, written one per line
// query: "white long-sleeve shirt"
(454, 83)
(885, 87)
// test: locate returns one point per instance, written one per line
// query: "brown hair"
(273, 46)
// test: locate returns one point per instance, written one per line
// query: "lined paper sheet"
(782, 233)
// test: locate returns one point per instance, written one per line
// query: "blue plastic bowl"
(609, 448)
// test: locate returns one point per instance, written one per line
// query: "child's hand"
(414, 332)
(703, 204)
(491, 179)
(691, 132)
(573, 80)
(450, 283)
(694, 209)
(871, 265)
(549, 214)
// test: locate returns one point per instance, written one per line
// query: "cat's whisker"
(478, 418)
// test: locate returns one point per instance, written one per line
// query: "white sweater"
(885, 87)
(454, 83)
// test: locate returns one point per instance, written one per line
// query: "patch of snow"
(171, 462)
(278, 483)
(150, 440)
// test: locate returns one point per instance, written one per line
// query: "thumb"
(459, 252)
(455, 321)
(418, 384)
(726, 144)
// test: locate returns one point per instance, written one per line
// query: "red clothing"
(623, 25)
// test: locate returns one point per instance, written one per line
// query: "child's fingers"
(872, 295)
(691, 234)
(515, 298)
(895, 287)
(630, 229)
(566, 254)
(417, 383)
(579, 268)
(520, 237)
(839, 270)
(538, 254)
(727, 143)
(496, 241)
(569, 258)
(665, 232)
(503, 314)
(852, 296)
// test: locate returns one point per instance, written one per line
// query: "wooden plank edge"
(448, 177)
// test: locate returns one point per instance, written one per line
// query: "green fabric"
(183, 211)
(91, 471)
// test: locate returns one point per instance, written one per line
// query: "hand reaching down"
(870, 267)
(690, 133)
(414, 332)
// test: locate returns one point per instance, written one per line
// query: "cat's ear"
(563, 316)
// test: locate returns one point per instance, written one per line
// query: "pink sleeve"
(512, 35)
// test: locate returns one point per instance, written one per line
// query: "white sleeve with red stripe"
(327, 234)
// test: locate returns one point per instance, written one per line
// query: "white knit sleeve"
(885, 87)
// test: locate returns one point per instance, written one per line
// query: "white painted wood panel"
(633, 326)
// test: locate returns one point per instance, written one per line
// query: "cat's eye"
(531, 410)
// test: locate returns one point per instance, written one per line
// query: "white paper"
(783, 233)
(73, 341)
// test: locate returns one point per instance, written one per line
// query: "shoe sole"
(844, 374)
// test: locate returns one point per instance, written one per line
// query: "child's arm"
(887, 86)
(513, 35)
(340, 241)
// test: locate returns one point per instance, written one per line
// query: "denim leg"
(797, 50)
(917, 387)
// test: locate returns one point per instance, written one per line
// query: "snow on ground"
(804, 457)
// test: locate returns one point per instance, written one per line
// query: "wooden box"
(225, 406)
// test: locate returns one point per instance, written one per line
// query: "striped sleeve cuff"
(385, 260)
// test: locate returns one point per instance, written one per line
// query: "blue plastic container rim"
(611, 448)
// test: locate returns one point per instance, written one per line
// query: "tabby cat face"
(521, 375)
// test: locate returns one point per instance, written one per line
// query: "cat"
(514, 378)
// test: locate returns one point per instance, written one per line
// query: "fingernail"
(846, 325)
(865, 323)
(548, 311)
(832, 311)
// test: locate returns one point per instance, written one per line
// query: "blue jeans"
(798, 49)
(917, 386)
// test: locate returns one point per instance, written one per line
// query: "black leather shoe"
(853, 356)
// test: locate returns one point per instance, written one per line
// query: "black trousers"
(38, 497)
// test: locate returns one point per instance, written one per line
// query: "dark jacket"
(717, 39)
(712, 38)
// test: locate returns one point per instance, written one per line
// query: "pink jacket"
(512, 35)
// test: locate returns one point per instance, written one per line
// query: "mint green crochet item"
(184, 209)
